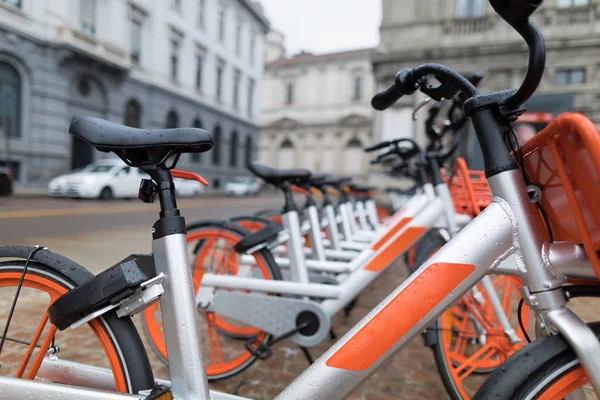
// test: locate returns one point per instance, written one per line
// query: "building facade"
(468, 36)
(316, 110)
(143, 63)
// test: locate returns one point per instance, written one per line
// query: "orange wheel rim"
(463, 358)
(216, 364)
(54, 290)
(565, 385)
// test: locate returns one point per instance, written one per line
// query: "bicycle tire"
(116, 335)
(545, 369)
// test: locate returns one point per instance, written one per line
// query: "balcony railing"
(574, 15)
(91, 47)
(468, 26)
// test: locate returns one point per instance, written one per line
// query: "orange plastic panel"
(394, 320)
(563, 159)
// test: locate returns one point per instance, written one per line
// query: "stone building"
(468, 36)
(147, 63)
(316, 110)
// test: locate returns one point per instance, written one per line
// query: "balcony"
(467, 26)
(574, 15)
(87, 46)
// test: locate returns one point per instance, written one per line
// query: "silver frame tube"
(180, 318)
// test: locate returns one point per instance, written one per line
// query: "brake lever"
(421, 104)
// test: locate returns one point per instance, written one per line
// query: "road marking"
(136, 208)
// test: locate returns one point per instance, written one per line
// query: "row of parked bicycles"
(494, 256)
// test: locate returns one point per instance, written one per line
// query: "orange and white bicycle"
(542, 226)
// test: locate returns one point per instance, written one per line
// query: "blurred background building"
(144, 63)
(468, 36)
(316, 111)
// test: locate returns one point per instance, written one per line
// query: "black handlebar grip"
(377, 146)
(387, 98)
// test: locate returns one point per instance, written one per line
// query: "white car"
(108, 179)
(242, 186)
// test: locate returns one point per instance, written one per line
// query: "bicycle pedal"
(160, 393)
(258, 349)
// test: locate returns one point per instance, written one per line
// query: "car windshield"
(240, 180)
(99, 169)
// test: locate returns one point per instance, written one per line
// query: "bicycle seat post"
(178, 305)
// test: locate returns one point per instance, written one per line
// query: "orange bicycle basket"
(469, 189)
(563, 159)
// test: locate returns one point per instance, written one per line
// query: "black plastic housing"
(109, 287)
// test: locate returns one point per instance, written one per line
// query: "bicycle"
(224, 324)
(510, 228)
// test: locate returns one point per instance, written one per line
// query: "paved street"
(97, 234)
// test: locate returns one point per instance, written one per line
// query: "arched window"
(354, 157)
(10, 100)
(286, 156)
(354, 142)
(216, 150)
(248, 150)
(133, 113)
(172, 120)
(233, 150)
(286, 144)
(196, 124)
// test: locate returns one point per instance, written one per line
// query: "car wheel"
(106, 194)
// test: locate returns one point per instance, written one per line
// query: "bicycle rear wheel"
(106, 342)
(211, 249)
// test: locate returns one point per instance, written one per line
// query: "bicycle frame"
(506, 227)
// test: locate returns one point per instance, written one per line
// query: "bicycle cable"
(17, 293)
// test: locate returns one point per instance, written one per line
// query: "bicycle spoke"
(42, 352)
(32, 346)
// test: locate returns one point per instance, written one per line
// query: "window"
(238, 38)
(123, 172)
(221, 22)
(87, 16)
(177, 4)
(216, 155)
(286, 144)
(201, 12)
(574, 76)
(220, 70)
(470, 8)
(10, 101)
(236, 88)
(250, 96)
(133, 114)
(289, 96)
(196, 156)
(357, 88)
(172, 120)
(199, 68)
(13, 3)
(233, 150)
(571, 3)
(174, 59)
(136, 41)
(252, 47)
(248, 150)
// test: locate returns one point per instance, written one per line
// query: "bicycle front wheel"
(546, 369)
(106, 342)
